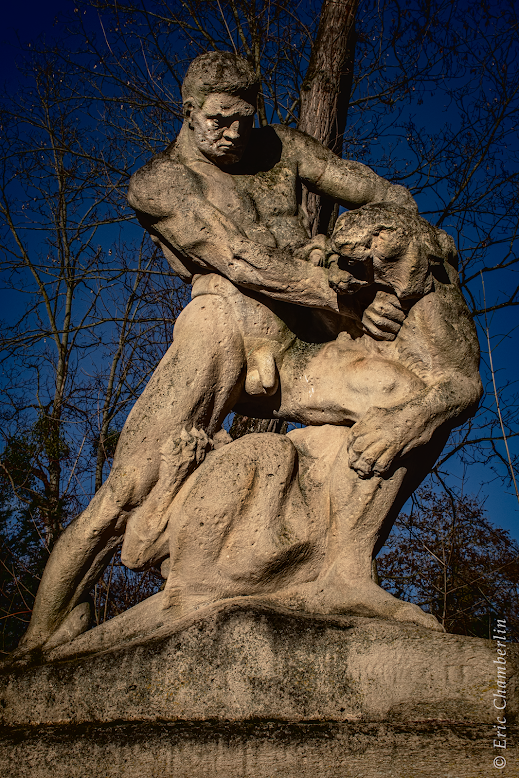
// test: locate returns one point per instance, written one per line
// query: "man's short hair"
(220, 71)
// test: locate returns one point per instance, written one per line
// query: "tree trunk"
(244, 425)
(325, 94)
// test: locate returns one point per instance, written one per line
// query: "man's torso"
(262, 193)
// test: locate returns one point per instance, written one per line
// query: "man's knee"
(129, 483)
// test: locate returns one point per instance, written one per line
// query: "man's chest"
(259, 196)
(274, 191)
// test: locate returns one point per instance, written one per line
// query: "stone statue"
(363, 336)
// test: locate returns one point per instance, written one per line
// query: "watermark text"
(499, 696)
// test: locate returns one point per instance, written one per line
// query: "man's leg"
(195, 385)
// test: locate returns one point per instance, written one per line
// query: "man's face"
(221, 127)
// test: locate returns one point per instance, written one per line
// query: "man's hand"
(321, 253)
(383, 318)
(343, 281)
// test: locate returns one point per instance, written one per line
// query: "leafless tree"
(425, 92)
(89, 312)
(449, 558)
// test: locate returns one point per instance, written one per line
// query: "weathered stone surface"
(254, 750)
(260, 692)
(363, 335)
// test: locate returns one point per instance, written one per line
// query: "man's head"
(220, 91)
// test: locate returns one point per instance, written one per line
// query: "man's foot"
(31, 650)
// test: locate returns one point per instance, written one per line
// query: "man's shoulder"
(289, 136)
(275, 143)
(165, 164)
(298, 143)
(149, 185)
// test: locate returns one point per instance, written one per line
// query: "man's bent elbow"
(399, 195)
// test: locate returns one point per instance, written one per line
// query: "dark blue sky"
(24, 21)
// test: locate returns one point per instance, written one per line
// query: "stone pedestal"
(246, 691)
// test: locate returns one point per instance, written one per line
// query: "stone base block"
(246, 691)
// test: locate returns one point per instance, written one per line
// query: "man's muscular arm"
(350, 183)
(167, 196)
